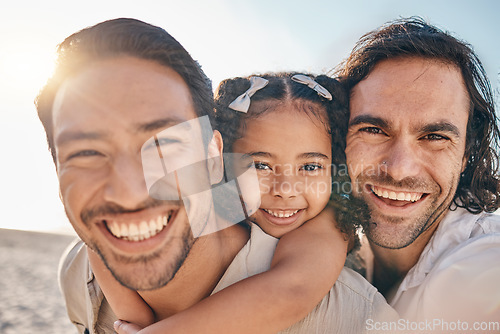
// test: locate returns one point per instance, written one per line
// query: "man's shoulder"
(73, 266)
(461, 228)
(83, 296)
(353, 288)
(464, 280)
(73, 276)
(458, 267)
(466, 236)
(348, 307)
(487, 223)
(457, 217)
(462, 237)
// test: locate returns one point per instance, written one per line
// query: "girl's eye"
(311, 167)
(262, 166)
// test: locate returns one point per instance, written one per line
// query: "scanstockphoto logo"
(437, 325)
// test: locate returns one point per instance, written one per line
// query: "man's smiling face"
(102, 117)
(406, 146)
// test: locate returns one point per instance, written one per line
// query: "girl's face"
(291, 151)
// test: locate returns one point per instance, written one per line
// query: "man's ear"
(464, 162)
(215, 163)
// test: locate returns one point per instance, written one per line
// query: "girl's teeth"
(138, 232)
(281, 214)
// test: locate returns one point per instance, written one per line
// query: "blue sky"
(229, 38)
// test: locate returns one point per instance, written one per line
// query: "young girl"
(287, 123)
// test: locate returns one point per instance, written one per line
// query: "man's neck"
(203, 268)
(390, 266)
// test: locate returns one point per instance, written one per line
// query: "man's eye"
(84, 153)
(162, 142)
(165, 141)
(434, 137)
(372, 130)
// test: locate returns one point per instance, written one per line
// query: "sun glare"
(24, 70)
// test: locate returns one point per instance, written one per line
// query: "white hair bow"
(304, 79)
(242, 102)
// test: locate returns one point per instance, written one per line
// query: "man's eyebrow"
(312, 155)
(67, 137)
(362, 119)
(443, 126)
(163, 123)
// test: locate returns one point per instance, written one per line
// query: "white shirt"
(351, 302)
(457, 277)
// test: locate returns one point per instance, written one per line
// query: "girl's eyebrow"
(311, 155)
(306, 155)
(258, 154)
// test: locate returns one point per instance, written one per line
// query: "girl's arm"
(125, 303)
(306, 264)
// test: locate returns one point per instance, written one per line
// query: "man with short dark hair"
(117, 86)
(420, 150)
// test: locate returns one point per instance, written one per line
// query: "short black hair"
(123, 37)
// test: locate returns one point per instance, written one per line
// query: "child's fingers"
(123, 327)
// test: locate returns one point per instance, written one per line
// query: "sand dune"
(30, 301)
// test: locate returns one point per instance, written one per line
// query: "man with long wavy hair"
(420, 149)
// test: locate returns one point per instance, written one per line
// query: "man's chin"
(144, 278)
(151, 271)
(391, 232)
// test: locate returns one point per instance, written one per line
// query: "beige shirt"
(351, 302)
(457, 277)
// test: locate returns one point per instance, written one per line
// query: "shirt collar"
(455, 228)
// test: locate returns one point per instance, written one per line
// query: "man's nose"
(402, 160)
(126, 185)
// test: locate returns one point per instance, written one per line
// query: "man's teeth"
(397, 196)
(138, 232)
(281, 214)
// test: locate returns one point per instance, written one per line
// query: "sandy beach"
(30, 301)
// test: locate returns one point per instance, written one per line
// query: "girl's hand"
(123, 327)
